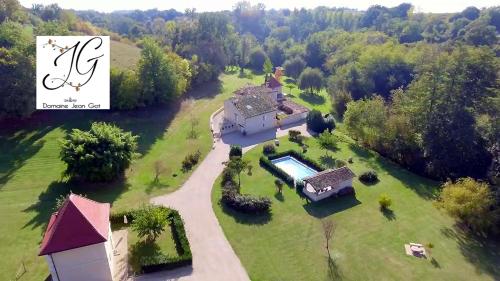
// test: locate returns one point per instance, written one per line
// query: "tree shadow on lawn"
(331, 205)
(388, 214)
(243, 218)
(481, 252)
(334, 272)
(279, 196)
(208, 90)
(45, 206)
(17, 146)
(140, 250)
(327, 160)
(312, 98)
(424, 187)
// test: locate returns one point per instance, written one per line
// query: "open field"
(367, 244)
(30, 169)
(124, 55)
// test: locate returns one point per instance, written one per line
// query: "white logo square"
(72, 72)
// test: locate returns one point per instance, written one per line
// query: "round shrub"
(235, 151)
(369, 176)
(269, 148)
(340, 163)
(98, 155)
(384, 201)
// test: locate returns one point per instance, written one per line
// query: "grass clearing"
(368, 244)
(124, 55)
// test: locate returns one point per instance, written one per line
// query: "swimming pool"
(294, 167)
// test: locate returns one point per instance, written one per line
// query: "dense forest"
(421, 89)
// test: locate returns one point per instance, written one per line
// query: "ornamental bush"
(369, 176)
(269, 148)
(98, 155)
(190, 161)
(150, 222)
(235, 151)
(243, 202)
(384, 201)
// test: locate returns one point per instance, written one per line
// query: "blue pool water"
(294, 167)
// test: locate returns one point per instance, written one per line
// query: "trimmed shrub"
(340, 163)
(384, 201)
(269, 148)
(243, 202)
(369, 176)
(190, 161)
(235, 151)
(295, 136)
(227, 177)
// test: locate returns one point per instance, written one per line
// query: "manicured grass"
(30, 169)
(320, 101)
(367, 244)
(124, 55)
(140, 248)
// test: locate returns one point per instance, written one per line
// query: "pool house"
(327, 183)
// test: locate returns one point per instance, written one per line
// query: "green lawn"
(30, 169)
(367, 244)
(320, 101)
(141, 248)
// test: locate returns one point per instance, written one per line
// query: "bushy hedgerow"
(235, 151)
(161, 261)
(369, 176)
(243, 202)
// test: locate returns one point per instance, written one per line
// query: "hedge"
(299, 156)
(162, 261)
(277, 172)
(244, 202)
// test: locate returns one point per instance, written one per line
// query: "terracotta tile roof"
(253, 105)
(329, 177)
(252, 90)
(79, 222)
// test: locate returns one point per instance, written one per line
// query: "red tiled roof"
(79, 222)
(273, 83)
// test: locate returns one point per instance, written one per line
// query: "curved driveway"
(213, 256)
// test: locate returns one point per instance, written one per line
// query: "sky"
(435, 6)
